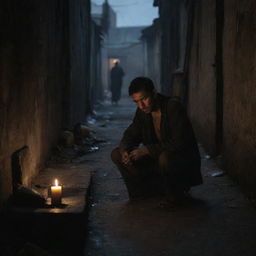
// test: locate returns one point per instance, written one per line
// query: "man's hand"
(138, 153)
(126, 158)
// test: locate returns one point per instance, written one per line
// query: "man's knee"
(164, 160)
(116, 156)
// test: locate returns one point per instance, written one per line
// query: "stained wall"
(43, 79)
(239, 69)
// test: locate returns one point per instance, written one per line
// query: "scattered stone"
(85, 131)
(92, 149)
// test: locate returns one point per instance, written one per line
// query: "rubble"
(74, 145)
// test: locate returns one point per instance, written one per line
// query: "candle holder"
(56, 194)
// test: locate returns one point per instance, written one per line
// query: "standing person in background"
(116, 77)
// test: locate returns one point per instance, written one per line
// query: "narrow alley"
(219, 219)
(72, 75)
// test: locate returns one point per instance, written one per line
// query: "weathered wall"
(239, 65)
(220, 75)
(152, 53)
(169, 22)
(154, 70)
(202, 77)
(42, 60)
(77, 91)
(96, 88)
(32, 64)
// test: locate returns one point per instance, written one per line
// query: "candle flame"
(56, 182)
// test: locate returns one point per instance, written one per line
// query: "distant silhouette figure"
(116, 76)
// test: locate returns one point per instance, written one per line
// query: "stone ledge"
(59, 230)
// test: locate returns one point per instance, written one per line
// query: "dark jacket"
(177, 136)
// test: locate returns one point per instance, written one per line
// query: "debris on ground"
(219, 173)
(82, 131)
(75, 144)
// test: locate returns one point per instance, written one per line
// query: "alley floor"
(218, 221)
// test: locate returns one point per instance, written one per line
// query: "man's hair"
(141, 84)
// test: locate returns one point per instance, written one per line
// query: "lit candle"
(56, 193)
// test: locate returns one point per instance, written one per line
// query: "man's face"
(144, 101)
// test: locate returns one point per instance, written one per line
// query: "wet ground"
(218, 221)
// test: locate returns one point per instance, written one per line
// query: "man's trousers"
(169, 174)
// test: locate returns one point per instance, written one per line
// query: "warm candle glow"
(56, 193)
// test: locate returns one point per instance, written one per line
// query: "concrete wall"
(38, 78)
(77, 91)
(219, 74)
(221, 84)
(188, 68)
(201, 76)
(169, 22)
(239, 69)
(152, 53)
(96, 88)
(154, 69)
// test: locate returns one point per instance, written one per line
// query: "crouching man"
(158, 154)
